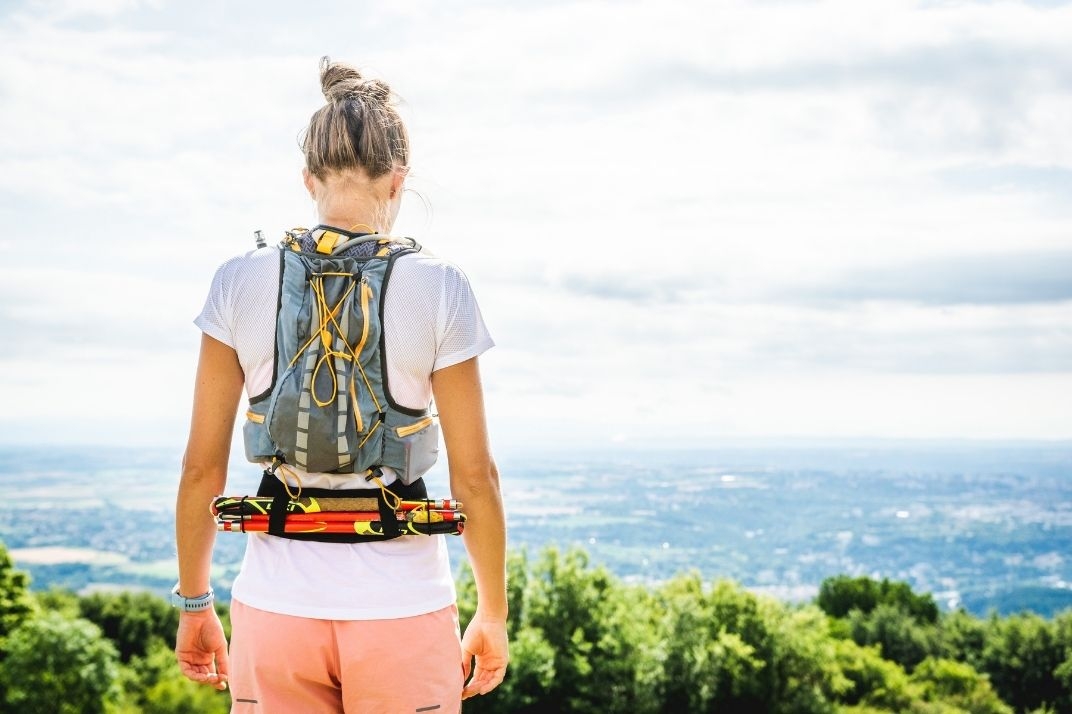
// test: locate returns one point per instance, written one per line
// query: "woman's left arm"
(200, 647)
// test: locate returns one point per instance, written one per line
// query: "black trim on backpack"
(271, 486)
(275, 338)
(410, 411)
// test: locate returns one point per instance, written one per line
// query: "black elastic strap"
(277, 514)
(388, 519)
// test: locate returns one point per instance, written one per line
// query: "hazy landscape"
(982, 526)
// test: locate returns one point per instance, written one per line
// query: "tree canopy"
(584, 641)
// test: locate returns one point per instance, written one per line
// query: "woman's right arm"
(474, 481)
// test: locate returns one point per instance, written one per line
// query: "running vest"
(329, 408)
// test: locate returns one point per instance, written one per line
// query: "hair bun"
(340, 81)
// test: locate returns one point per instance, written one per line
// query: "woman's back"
(431, 320)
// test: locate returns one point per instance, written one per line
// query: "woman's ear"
(398, 177)
(307, 179)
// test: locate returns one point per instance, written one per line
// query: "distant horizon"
(742, 442)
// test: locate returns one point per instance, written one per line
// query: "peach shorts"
(282, 664)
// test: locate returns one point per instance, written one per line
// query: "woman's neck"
(370, 219)
(351, 204)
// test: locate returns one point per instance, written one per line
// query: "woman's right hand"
(485, 640)
(201, 648)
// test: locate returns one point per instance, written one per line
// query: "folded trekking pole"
(361, 516)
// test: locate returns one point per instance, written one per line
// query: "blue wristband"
(191, 604)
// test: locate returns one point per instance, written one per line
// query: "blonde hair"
(358, 128)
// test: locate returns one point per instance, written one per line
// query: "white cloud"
(68, 10)
(654, 201)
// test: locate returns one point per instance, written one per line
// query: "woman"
(355, 627)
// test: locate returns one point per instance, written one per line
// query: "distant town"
(981, 528)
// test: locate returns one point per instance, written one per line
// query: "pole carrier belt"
(272, 487)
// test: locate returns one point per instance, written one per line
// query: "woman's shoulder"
(247, 271)
(428, 265)
(255, 262)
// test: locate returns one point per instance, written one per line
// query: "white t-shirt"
(431, 321)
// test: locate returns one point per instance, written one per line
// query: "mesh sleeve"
(215, 318)
(462, 333)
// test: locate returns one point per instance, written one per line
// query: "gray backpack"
(329, 408)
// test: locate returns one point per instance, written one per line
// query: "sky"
(687, 223)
